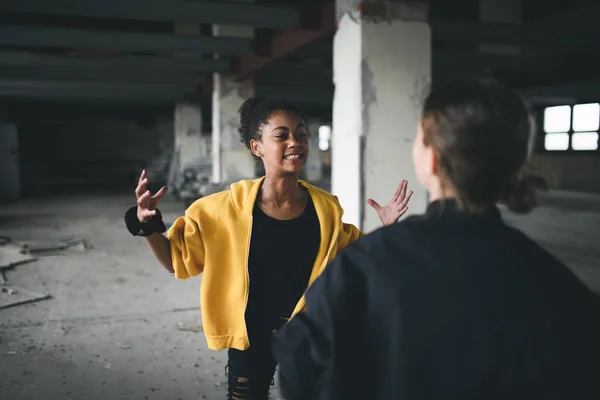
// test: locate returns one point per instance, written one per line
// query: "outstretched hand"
(396, 208)
(147, 203)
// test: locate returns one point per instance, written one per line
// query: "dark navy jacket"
(444, 306)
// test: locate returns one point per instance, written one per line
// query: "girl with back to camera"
(453, 304)
(258, 245)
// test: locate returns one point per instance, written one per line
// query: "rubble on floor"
(13, 254)
(12, 295)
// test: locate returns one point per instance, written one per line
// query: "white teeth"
(292, 156)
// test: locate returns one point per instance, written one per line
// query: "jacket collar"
(451, 210)
(245, 192)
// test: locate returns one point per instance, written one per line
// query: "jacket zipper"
(248, 277)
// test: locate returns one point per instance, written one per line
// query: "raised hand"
(146, 202)
(396, 208)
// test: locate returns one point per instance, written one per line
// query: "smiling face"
(283, 143)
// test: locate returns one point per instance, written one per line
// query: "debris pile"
(13, 254)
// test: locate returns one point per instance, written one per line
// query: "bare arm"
(146, 209)
(161, 248)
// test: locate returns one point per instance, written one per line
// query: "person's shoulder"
(386, 241)
(406, 227)
(209, 204)
(540, 259)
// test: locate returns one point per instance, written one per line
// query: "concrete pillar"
(188, 143)
(231, 159)
(382, 71)
(314, 164)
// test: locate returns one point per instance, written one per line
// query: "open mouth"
(297, 156)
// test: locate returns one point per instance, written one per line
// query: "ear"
(256, 147)
(432, 161)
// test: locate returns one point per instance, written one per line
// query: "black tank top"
(281, 259)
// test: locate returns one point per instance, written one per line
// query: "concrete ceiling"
(127, 51)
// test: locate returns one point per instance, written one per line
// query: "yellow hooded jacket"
(213, 238)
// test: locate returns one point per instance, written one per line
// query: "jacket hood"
(244, 193)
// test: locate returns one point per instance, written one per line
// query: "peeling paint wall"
(382, 72)
(236, 160)
(189, 143)
(231, 159)
(399, 56)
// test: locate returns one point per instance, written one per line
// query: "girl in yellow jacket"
(259, 245)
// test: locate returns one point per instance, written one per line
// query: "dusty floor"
(120, 327)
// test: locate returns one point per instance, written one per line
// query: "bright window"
(584, 141)
(572, 127)
(324, 137)
(586, 117)
(556, 141)
(557, 119)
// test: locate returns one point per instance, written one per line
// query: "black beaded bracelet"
(137, 228)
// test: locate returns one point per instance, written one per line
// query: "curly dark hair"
(255, 112)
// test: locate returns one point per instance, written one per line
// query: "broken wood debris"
(13, 254)
(54, 248)
(12, 295)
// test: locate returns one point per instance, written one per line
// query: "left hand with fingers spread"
(396, 208)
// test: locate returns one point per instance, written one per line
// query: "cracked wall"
(382, 72)
(398, 56)
(235, 159)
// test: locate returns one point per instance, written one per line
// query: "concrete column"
(188, 143)
(382, 71)
(314, 164)
(231, 159)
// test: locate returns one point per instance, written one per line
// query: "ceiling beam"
(583, 17)
(311, 73)
(63, 90)
(314, 95)
(555, 38)
(23, 109)
(463, 59)
(108, 61)
(322, 50)
(91, 39)
(207, 12)
(288, 42)
(69, 74)
(579, 90)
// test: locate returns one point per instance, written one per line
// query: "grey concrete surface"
(120, 327)
(568, 225)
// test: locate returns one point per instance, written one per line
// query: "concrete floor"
(120, 327)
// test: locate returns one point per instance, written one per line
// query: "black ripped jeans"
(250, 372)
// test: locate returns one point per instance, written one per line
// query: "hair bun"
(521, 194)
(245, 112)
(248, 106)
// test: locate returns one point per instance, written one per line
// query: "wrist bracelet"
(137, 228)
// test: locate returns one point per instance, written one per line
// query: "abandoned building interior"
(92, 92)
